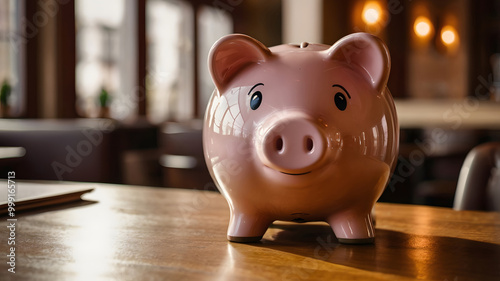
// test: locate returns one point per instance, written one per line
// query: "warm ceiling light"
(422, 26)
(371, 12)
(448, 35)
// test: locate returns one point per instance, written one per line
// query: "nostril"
(279, 144)
(309, 144)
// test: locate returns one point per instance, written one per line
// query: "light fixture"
(422, 27)
(449, 35)
(371, 12)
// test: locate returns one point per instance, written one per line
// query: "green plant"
(104, 98)
(5, 93)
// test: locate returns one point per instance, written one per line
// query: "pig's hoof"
(239, 239)
(357, 241)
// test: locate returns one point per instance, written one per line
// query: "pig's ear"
(231, 54)
(366, 53)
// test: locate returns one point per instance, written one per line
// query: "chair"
(182, 158)
(60, 149)
(479, 181)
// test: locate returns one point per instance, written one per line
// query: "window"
(149, 56)
(212, 25)
(170, 60)
(11, 55)
(106, 58)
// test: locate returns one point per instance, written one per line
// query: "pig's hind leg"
(352, 227)
(247, 228)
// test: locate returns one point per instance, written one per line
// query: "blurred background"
(114, 91)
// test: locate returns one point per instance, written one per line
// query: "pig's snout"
(292, 145)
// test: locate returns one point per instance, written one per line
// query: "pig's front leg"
(245, 227)
(353, 227)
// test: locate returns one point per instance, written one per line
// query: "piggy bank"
(300, 133)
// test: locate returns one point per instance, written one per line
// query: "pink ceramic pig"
(301, 133)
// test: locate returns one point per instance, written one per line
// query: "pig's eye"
(256, 97)
(340, 97)
(340, 101)
(255, 100)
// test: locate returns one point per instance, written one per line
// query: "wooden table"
(140, 233)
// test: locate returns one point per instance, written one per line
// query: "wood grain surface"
(123, 232)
